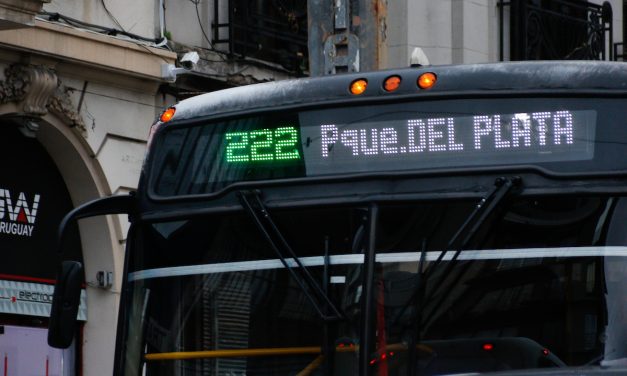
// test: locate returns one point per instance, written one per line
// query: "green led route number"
(262, 145)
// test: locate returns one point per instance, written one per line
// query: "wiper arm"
(502, 187)
(483, 210)
(487, 205)
(475, 220)
(315, 294)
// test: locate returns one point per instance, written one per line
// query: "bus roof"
(512, 77)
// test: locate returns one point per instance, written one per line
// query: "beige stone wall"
(138, 16)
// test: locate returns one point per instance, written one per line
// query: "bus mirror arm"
(67, 289)
(122, 204)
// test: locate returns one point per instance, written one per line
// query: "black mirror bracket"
(67, 290)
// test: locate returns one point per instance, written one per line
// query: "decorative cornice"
(37, 90)
(71, 47)
(37, 84)
(61, 105)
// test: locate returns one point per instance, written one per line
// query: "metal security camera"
(189, 60)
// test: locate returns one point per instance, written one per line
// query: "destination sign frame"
(559, 136)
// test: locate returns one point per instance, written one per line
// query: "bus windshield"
(540, 285)
(296, 228)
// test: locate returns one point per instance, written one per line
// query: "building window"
(273, 31)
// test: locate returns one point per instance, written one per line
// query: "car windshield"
(540, 285)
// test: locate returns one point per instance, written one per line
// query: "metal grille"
(273, 31)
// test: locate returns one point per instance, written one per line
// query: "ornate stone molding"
(61, 105)
(33, 87)
(37, 90)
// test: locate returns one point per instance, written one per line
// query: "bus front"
(473, 225)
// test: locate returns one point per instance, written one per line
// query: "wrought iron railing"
(556, 30)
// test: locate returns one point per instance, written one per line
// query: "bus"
(430, 220)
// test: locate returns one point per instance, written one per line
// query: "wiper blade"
(417, 313)
(483, 210)
(255, 208)
(466, 232)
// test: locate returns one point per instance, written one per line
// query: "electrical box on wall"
(105, 279)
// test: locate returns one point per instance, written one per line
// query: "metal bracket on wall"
(341, 50)
(341, 53)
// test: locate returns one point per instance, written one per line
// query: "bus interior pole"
(366, 338)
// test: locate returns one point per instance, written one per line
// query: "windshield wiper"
(255, 208)
(466, 232)
(502, 186)
(474, 222)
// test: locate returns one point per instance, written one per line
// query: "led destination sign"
(431, 142)
(419, 142)
(442, 134)
(262, 145)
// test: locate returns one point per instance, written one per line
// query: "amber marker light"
(358, 86)
(168, 114)
(392, 83)
(427, 80)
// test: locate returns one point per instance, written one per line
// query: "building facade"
(81, 81)
(478, 31)
(76, 104)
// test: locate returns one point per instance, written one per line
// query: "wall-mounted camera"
(189, 60)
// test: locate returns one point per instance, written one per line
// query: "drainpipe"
(162, 19)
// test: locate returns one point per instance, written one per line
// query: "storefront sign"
(33, 201)
(32, 299)
(17, 216)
